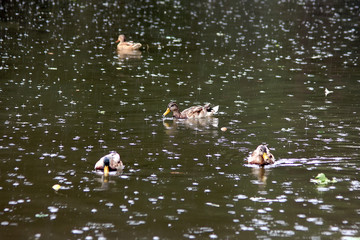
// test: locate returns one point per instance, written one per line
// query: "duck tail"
(137, 46)
(215, 109)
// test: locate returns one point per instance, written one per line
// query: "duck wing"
(192, 112)
(199, 111)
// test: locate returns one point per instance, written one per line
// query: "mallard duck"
(126, 46)
(110, 162)
(261, 156)
(191, 112)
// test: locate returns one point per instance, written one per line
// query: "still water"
(67, 98)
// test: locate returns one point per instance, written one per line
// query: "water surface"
(67, 98)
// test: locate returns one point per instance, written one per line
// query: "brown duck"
(126, 46)
(261, 156)
(191, 112)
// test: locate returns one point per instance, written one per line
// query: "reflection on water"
(67, 97)
(129, 54)
(260, 174)
(193, 123)
(105, 183)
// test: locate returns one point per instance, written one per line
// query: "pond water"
(67, 98)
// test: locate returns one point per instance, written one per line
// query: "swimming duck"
(261, 156)
(191, 112)
(110, 162)
(126, 46)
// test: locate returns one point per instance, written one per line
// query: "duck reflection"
(105, 180)
(172, 125)
(128, 54)
(260, 174)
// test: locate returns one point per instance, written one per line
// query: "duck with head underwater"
(109, 163)
(261, 156)
(191, 112)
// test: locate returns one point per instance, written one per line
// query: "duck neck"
(262, 161)
(176, 114)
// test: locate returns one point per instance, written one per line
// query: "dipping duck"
(110, 162)
(126, 46)
(191, 112)
(261, 156)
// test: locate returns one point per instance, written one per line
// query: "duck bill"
(117, 41)
(106, 171)
(265, 156)
(166, 112)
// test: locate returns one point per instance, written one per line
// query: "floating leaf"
(41, 215)
(321, 179)
(56, 187)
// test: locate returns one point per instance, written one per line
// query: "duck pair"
(112, 162)
(261, 156)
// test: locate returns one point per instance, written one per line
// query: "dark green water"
(67, 99)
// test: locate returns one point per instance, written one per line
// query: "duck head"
(264, 152)
(106, 166)
(172, 106)
(121, 39)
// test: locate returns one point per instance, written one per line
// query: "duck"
(261, 156)
(191, 112)
(109, 163)
(126, 46)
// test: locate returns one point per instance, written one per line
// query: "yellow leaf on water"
(56, 187)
